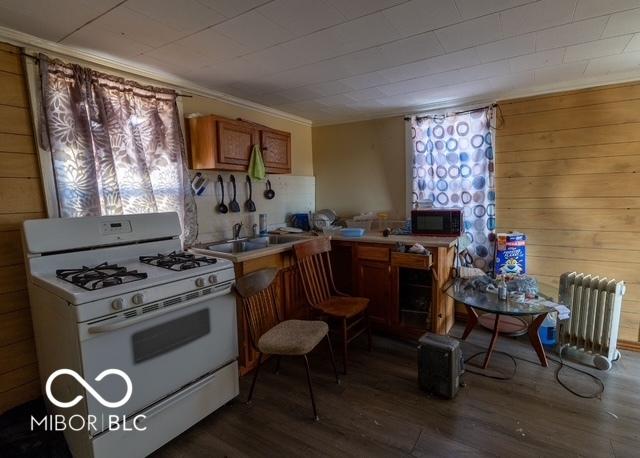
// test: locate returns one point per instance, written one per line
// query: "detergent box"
(511, 254)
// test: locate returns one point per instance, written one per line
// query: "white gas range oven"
(118, 292)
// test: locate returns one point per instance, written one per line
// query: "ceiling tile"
(537, 60)
(186, 15)
(355, 8)
(537, 16)
(470, 33)
(592, 8)
(371, 30)
(513, 81)
(411, 49)
(622, 23)
(562, 73)
(96, 38)
(599, 48)
(213, 45)
(612, 64)
(331, 88)
(510, 47)
(475, 8)
(364, 81)
(301, 17)
(35, 16)
(253, 31)
(233, 8)
(366, 94)
(422, 15)
(138, 27)
(570, 34)
(634, 44)
(455, 60)
(177, 56)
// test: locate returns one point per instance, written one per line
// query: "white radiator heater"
(591, 333)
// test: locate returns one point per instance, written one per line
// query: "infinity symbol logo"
(89, 388)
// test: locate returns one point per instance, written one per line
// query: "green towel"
(256, 164)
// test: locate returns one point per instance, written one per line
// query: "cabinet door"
(276, 150)
(374, 282)
(235, 139)
(342, 266)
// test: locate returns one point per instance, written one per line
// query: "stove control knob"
(213, 279)
(137, 299)
(199, 282)
(117, 304)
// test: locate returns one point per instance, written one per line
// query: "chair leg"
(333, 360)
(313, 401)
(255, 377)
(368, 324)
(276, 370)
(345, 342)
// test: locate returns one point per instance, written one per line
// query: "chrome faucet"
(236, 231)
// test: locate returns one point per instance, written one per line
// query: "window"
(116, 146)
(452, 166)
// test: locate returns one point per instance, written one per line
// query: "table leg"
(472, 320)
(535, 338)
(494, 337)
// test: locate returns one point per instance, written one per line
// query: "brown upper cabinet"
(217, 143)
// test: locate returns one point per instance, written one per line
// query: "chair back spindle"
(314, 265)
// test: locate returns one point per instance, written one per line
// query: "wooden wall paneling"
(20, 198)
(567, 175)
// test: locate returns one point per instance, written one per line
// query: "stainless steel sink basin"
(254, 243)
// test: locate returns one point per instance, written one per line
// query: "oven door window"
(165, 337)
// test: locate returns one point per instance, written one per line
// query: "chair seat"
(343, 306)
(293, 337)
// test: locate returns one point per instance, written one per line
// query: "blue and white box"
(511, 253)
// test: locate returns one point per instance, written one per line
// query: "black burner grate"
(100, 276)
(177, 261)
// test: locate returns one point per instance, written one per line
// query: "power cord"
(561, 365)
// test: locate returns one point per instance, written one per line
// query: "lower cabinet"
(374, 282)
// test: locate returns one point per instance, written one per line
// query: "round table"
(463, 291)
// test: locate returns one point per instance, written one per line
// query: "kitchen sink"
(251, 244)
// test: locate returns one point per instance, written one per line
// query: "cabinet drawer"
(414, 261)
(372, 252)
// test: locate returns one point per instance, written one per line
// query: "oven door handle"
(126, 322)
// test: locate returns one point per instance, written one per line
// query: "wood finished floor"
(379, 411)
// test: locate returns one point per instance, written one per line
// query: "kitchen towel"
(256, 164)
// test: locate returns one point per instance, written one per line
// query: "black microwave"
(437, 221)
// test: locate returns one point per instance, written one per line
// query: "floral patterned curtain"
(453, 167)
(117, 146)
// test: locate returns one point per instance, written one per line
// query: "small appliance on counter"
(437, 222)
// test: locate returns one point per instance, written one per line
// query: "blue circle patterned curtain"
(453, 167)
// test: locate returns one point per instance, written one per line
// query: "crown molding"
(22, 39)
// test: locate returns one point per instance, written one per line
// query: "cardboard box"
(511, 253)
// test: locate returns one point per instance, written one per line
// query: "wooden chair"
(270, 334)
(314, 264)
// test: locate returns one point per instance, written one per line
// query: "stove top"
(101, 276)
(177, 261)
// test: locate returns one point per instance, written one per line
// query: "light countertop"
(369, 237)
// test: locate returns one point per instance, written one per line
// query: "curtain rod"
(491, 105)
(37, 61)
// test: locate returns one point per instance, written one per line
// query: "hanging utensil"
(269, 193)
(249, 204)
(222, 208)
(234, 206)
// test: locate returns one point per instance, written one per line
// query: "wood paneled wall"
(567, 175)
(20, 199)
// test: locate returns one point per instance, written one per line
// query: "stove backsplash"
(294, 194)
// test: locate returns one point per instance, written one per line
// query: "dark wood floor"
(379, 411)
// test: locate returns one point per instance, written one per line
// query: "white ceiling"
(332, 60)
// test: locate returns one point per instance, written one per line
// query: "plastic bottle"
(502, 290)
